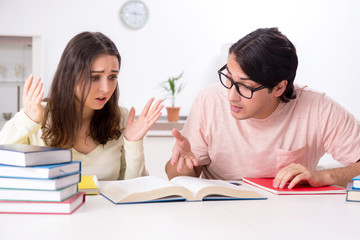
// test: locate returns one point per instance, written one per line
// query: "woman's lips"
(101, 99)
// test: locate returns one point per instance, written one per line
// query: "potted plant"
(172, 87)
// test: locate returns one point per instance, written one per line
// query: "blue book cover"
(30, 155)
(43, 184)
(356, 182)
(42, 172)
(357, 178)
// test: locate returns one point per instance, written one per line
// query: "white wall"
(189, 35)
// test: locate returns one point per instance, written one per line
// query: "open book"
(182, 188)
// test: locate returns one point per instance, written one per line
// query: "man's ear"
(280, 88)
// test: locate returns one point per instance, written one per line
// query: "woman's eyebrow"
(102, 71)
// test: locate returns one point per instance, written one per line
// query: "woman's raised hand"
(32, 96)
(136, 130)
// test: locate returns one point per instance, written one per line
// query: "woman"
(82, 112)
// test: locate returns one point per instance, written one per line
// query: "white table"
(279, 217)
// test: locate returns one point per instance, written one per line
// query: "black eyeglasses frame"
(220, 72)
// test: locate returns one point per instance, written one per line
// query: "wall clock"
(134, 14)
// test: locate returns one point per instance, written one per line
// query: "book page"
(142, 189)
(140, 184)
(202, 188)
(195, 185)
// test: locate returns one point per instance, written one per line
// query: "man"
(256, 123)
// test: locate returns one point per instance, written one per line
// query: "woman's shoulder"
(124, 112)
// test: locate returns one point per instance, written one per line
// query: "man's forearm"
(341, 176)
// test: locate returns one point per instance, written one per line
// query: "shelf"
(162, 128)
(11, 83)
(167, 126)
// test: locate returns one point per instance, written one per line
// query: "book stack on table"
(353, 190)
(39, 179)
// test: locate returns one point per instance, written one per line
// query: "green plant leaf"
(171, 88)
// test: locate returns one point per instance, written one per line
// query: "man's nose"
(233, 95)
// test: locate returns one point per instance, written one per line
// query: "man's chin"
(238, 116)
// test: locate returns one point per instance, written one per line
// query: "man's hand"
(296, 173)
(181, 153)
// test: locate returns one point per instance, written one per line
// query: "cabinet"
(157, 150)
(19, 56)
(158, 145)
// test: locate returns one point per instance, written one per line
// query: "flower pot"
(7, 115)
(173, 114)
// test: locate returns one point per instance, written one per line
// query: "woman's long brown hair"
(62, 119)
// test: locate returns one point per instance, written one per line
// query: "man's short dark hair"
(268, 57)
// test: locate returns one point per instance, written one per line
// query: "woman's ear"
(280, 88)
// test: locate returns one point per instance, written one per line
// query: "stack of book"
(353, 190)
(39, 179)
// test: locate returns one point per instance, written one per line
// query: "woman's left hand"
(136, 130)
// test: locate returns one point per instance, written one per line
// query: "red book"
(67, 206)
(267, 184)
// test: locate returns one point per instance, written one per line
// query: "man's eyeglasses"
(244, 91)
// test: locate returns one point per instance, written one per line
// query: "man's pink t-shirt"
(299, 131)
